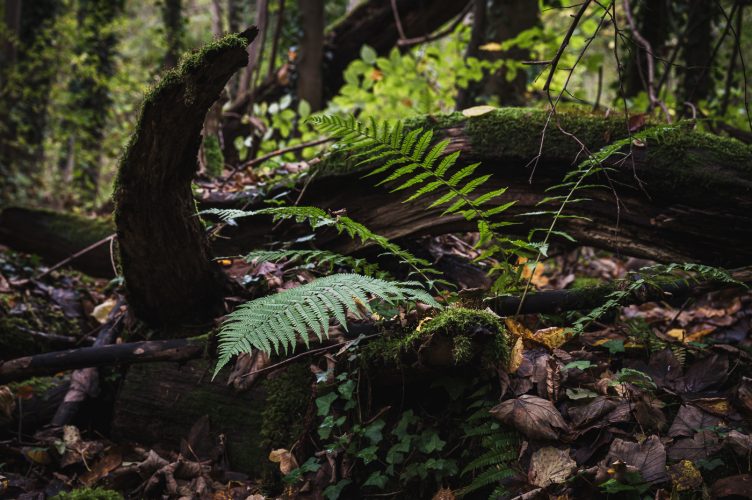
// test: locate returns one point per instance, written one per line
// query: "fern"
(498, 445)
(322, 258)
(410, 161)
(318, 218)
(274, 322)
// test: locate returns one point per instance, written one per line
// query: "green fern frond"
(275, 322)
(318, 218)
(322, 258)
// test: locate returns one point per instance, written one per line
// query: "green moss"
(457, 324)
(15, 340)
(286, 404)
(37, 385)
(215, 160)
(585, 282)
(89, 494)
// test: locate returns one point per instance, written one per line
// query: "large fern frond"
(318, 218)
(412, 162)
(273, 323)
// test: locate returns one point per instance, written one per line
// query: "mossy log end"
(682, 196)
(164, 252)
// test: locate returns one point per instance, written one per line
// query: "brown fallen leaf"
(584, 415)
(515, 357)
(735, 486)
(740, 443)
(444, 494)
(102, 467)
(649, 457)
(689, 419)
(549, 466)
(7, 405)
(285, 459)
(535, 417)
(702, 445)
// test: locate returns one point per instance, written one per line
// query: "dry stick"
(654, 101)
(278, 152)
(85, 381)
(409, 42)
(564, 43)
(76, 255)
(397, 20)
(83, 357)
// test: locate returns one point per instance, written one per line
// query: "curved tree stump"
(164, 253)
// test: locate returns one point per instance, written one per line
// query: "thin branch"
(409, 42)
(77, 255)
(565, 42)
(398, 21)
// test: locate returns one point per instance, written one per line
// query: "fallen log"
(685, 198)
(149, 351)
(682, 196)
(164, 252)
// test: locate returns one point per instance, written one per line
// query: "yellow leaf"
(285, 459)
(491, 47)
(677, 333)
(517, 329)
(477, 111)
(103, 310)
(553, 337)
(515, 357)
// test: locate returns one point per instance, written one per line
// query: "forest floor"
(654, 400)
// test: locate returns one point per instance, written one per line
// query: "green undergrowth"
(89, 494)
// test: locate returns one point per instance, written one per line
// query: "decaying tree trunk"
(681, 196)
(163, 249)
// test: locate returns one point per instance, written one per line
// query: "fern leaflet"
(322, 258)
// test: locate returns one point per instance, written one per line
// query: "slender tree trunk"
(505, 20)
(254, 51)
(24, 91)
(172, 17)
(310, 75)
(90, 92)
(466, 96)
(652, 17)
(697, 81)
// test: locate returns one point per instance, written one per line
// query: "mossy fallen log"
(680, 196)
(164, 252)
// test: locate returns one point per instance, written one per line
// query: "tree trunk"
(89, 88)
(24, 93)
(697, 81)
(310, 76)
(652, 18)
(163, 249)
(466, 96)
(172, 17)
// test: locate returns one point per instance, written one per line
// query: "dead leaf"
(584, 415)
(515, 357)
(553, 337)
(689, 420)
(477, 111)
(535, 417)
(102, 311)
(703, 444)
(285, 459)
(685, 476)
(102, 467)
(735, 486)
(444, 494)
(7, 405)
(706, 373)
(549, 466)
(740, 443)
(637, 121)
(649, 457)
(4, 285)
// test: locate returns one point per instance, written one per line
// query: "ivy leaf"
(324, 403)
(376, 479)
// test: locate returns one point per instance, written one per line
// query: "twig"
(278, 152)
(654, 101)
(732, 62)
(409, 42)
(565, 42)
(397, 20)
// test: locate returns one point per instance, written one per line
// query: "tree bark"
(163, 249)
(310, 76)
